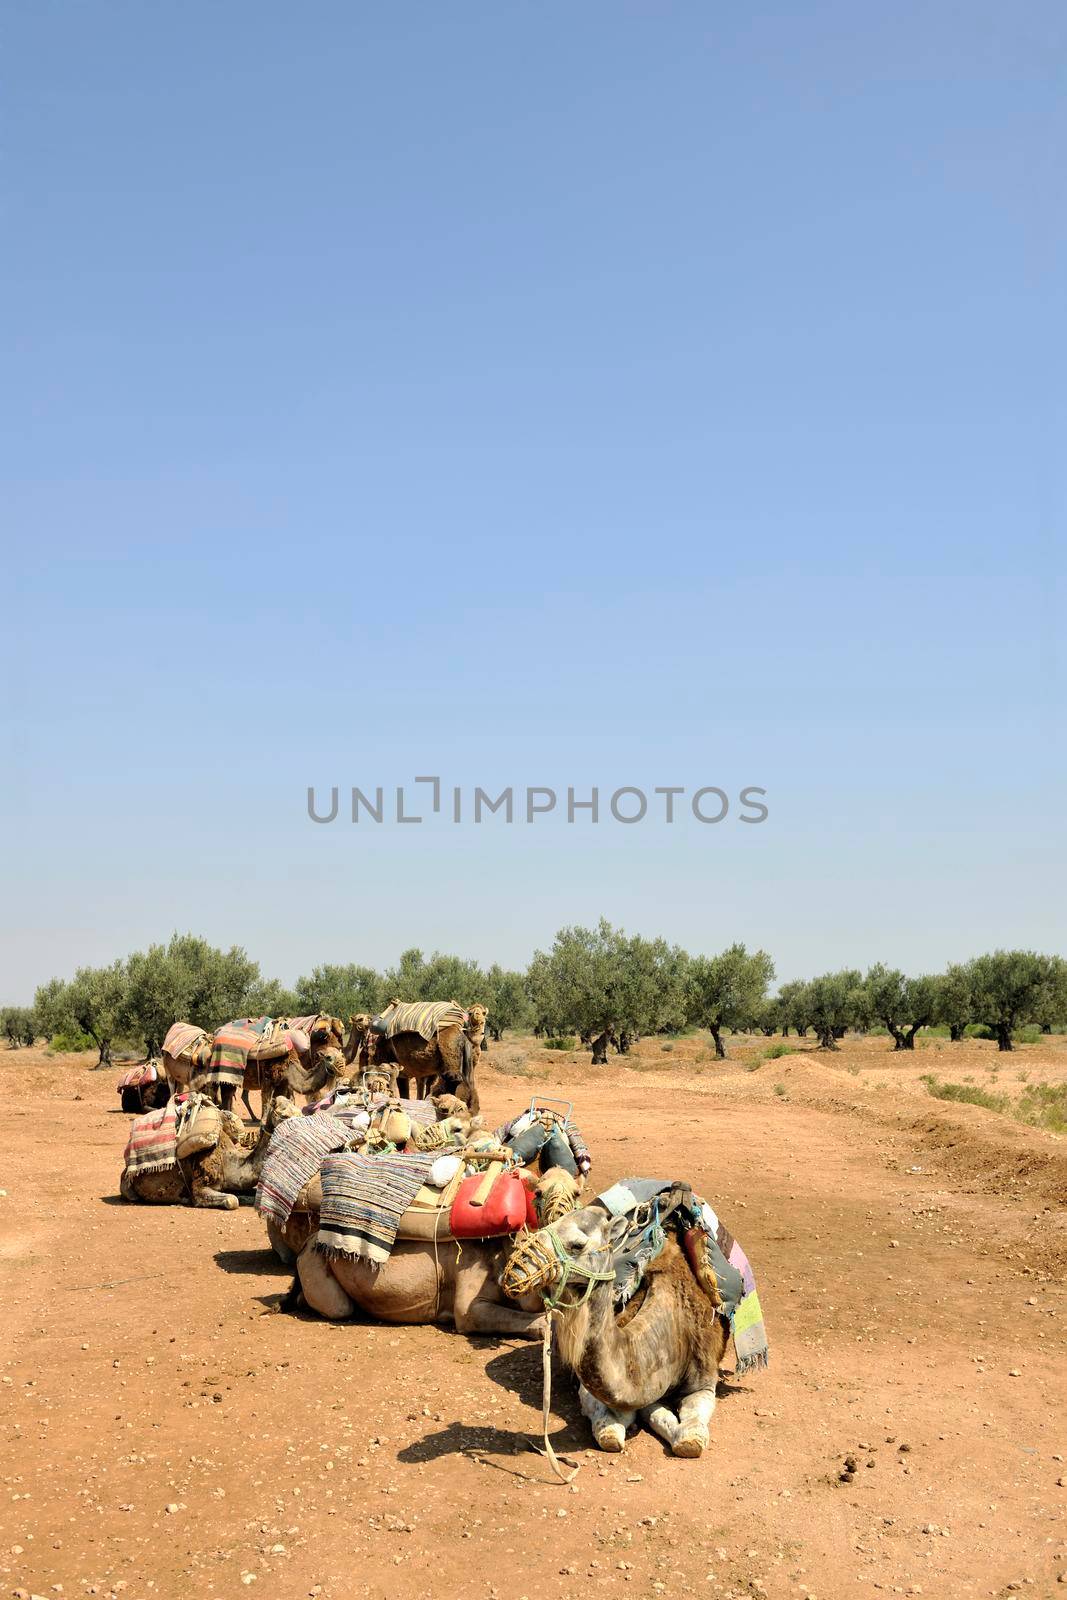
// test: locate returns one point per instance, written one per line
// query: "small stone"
(1013, 1372)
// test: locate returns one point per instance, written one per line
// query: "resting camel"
(425, 1281)
(213, 1178)
(443, 1064)
(452, 1116)
(657, 1359)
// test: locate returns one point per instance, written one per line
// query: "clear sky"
(552, 394)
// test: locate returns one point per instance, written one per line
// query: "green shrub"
(68, 1042)
(782, 1048)
(969, 1094)
(561, 1043)
(1031, 1034)
(779, 1088)
(1044, 1105)
(666, 1047)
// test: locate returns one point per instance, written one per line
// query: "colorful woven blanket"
(151, 1146)
(181, 1038)
(296, 1151)
(139, 1077)
(424, 1016)
(655, 1205)
(363, 1200)
(746, 1314)
(229, 1055)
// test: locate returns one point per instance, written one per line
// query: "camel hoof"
(232, 1202)
(690, 1447)
(612, 1438)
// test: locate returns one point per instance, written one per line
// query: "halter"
(539, 1260)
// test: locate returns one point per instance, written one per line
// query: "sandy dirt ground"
(165, 1433)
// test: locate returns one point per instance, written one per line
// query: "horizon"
(559, 398)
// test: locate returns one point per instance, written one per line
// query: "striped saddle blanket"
(296, 1151)
(182, 1037)
(363, 1200)
(229, 1055)
(152, 1145)
(319, 1023)
(139, 1077)
(426, 1017)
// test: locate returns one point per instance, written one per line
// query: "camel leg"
(694, 1418)
(247, 1103)
(609, 1427)
(278, 1244)
(662, 1420)
(474, 1312)
(321, 1289)
(209, 1199)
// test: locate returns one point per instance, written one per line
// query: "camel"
(190, 1050)
(311, 1073)
(425, 1281)
(215, 1177)
(664, 1346)
(452, 1117)
(141, 1095)
(443, 1064)
(362, 1051)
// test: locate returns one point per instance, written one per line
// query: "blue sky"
(615, 394)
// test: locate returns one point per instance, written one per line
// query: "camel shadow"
(256, 1262)
(481, 1444)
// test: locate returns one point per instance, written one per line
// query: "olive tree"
(1011, 987)
(832, 1001)
(94, 1001)
(186, 980)
(508, 1001)
(340, 991)
(19, 1025)
(955, 1000)
(726, 990)
(903, 1004)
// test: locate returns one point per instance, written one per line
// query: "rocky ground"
(165, 1434)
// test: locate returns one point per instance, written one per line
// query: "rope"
(545, 1448)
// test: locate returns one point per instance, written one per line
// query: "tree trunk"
(720, 1048)
(484, 1042)
(839, 1033)
(955, 1031)
(624, 1043)
(1046, 1027)
(600, 1049)
(802, 1033)
(898, 1037)
(909, 1037)
(785, 1030)
(1003, 1030)
(826, 1039)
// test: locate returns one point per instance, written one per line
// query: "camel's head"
(332, 1059)
(360, 1023)
(477, 1014)
(448, 1105)
(566, 1258)
(556, 1195)
(200, 1056)
(281, 1109)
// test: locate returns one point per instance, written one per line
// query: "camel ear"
(616, 1231)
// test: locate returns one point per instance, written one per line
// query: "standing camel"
(441, 1064)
